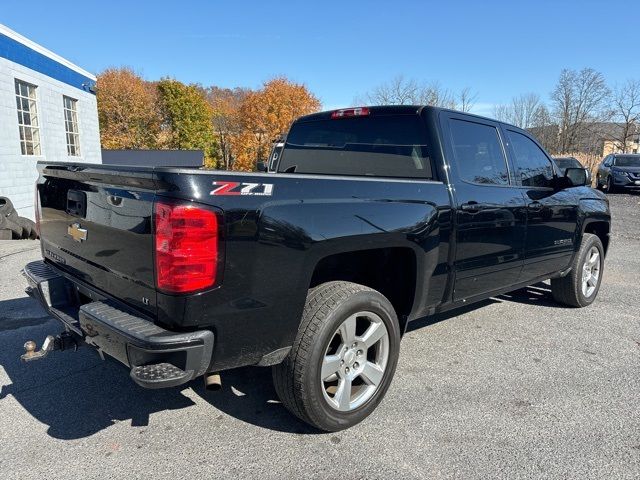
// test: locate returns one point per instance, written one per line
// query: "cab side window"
(478, 152)
(532, 165)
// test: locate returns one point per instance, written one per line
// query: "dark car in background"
(619, 171)
(571, 162)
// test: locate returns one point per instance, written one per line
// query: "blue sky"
(341, 49)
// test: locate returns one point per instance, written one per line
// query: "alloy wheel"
(591, 272)
(354, 362)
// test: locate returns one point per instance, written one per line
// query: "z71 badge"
(237, 188)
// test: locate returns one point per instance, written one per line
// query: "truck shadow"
(537, 294)
(248, 395)
(76, 394)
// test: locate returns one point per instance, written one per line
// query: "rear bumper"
(157, 357)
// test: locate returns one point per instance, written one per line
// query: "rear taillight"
(187, 247)
(350, 112)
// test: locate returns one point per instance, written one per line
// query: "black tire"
(5, 206)
(7, 209)
(610, 187)
(568, 289)
(28, 228)
(17, 231)
(297, 379)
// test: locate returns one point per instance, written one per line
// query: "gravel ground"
(515, 387)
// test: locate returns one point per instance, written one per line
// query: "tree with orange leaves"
(225, 105)
(264, 115)
(127, 109)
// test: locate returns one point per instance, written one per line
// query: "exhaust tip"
(213, 382)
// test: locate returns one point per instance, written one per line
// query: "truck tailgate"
(95, 224)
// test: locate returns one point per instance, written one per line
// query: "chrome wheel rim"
(591, 272)
(355, 361)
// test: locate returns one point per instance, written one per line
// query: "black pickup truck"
(377, 216)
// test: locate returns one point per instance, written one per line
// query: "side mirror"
(575, 177)
(261, 166)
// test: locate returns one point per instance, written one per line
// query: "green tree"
(186, 119)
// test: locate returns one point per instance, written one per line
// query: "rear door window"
(479, 154)
(372, 145)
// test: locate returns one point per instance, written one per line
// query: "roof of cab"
(373, 110)
(394, 110)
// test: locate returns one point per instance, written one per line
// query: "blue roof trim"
(27, 57)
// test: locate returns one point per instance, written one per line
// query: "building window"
(28, 121)
(71, 126)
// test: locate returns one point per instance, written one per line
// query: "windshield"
(567, 163)
(628, 161)
(383, 145)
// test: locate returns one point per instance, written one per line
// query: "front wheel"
(610, 187)
(343, 359)
(580, 287)
(599, 183)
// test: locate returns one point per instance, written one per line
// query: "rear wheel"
(580, 287)
(343, 358)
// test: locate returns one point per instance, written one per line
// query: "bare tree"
(502, 112)
(398, 91)
(433, 94)
(403, 91)
(543, 127)
(521, 111)
(578, 98)
(626, 111)
(466, 99)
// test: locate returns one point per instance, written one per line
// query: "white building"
(48, 111)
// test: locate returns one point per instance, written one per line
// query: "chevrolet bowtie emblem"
(76, 232)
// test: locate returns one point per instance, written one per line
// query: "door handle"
(536, 206)
(470, 207)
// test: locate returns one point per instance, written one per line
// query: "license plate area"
(76, 203)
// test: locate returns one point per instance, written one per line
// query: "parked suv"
(619, 171)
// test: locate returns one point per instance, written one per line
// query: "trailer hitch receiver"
(64, 341)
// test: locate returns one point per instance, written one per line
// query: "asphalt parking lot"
(515, 387)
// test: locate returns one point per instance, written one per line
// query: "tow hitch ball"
(64, 341)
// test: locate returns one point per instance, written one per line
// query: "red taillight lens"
(187, 244)
(350, 112)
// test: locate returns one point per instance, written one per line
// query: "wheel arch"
(392, 271)
(600, 228)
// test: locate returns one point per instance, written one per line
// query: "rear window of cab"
(369, 145)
